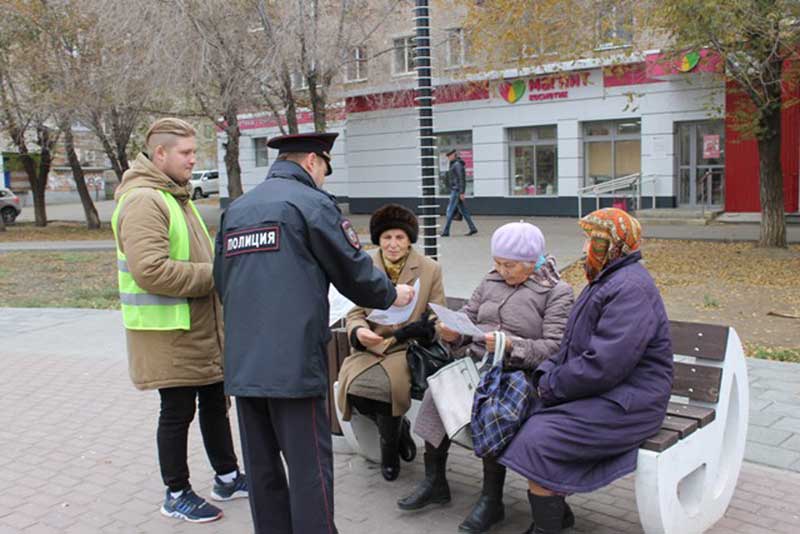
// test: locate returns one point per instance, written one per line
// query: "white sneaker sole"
(178, 515)
(236, 495)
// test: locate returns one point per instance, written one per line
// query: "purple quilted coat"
(605, 391)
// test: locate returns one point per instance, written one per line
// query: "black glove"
(423, 330)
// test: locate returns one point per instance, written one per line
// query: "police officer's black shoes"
(408, 449)
(434, 488)
(489, 509)
(389, 430)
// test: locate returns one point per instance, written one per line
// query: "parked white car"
(204, 183)
(10, 205)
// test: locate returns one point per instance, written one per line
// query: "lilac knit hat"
(518, 241)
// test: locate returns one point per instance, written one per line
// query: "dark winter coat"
(278, 248)
(605, 391)
(458, 175)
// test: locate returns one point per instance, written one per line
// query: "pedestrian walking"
(279, 247)
(457, 180)
(172, 316)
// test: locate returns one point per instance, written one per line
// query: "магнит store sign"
(551, 87)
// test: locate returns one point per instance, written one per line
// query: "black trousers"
(177, 411)
(300, 429)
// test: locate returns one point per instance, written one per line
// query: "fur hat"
(390, 217)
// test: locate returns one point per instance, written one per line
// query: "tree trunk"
(46, 141)
(232, 153)
(773, 221)
(97, 128)
(122, 124)
(92, 219)
(291, 105)
(317, 96)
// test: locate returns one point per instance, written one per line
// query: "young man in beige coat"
(173, 317)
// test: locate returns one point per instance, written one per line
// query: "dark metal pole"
(428, 208)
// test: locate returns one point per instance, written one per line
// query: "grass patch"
(780, 354)
(59, 280)
(55, 231)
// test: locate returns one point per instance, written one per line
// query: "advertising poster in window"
(466, 155)
(711, 148)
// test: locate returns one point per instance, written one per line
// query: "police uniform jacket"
(278, 248)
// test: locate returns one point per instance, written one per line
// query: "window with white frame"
(534, 160)
(614, 25)
(404, 52)
(261, 152)
(356, 68)
(458, 49)
(612, 150)
(299, 80)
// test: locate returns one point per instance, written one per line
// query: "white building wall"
(337, 183)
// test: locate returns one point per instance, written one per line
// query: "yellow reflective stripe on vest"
(146, 311)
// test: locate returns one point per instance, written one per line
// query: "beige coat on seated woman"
(390, 354)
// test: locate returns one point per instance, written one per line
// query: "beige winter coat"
(163, 359)
(390, 354)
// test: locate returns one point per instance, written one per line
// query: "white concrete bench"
(686, 473)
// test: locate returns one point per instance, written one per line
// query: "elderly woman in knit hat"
(375, 378)
(524, 297)
(607, 388)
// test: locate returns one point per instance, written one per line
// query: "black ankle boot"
(433, 489)
(489, 509)
(408, 449)
(549, 514)
(389, 430)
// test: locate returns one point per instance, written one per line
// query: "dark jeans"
(457, 204)
(177, 412)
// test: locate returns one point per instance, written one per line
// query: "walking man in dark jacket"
(278, 248)
(457, 176)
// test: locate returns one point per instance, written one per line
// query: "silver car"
(204, 183)
(9, 205)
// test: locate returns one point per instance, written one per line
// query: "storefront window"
(462, 142)
(612, 150)
(534, 161)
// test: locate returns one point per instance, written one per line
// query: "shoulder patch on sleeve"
(263, 239)
(350, 234)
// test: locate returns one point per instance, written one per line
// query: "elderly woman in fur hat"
(524, 297)
(375, 378)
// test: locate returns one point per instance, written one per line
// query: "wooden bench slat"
(698, 382)
(700, 340)
(682, 425)
(703, 416)
(661, 441)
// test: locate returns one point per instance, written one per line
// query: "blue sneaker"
(227, 491)
(189, 506)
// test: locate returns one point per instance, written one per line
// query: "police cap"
(318, 143)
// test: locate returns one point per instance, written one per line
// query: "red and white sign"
(711, 146)
(556, 86)
(466, 155)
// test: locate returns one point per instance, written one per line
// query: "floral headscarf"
(613, 234)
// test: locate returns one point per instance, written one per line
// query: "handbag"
(423, 362)
(453, 388)
(500, 405)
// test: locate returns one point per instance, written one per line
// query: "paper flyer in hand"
(339, 305)
(396, 314)
(456, 321)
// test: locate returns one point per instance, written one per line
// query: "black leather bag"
(423, 362)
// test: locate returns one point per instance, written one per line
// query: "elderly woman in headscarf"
(607, 389)
(524, 297)
(375, 378)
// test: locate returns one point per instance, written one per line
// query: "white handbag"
(453, 388)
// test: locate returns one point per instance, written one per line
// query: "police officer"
(278, 248)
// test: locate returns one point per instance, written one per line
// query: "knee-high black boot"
(550, 514)
(389, 430)
(408, 449)
(433, 489)
(489, 509)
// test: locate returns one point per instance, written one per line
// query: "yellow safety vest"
(147, 311)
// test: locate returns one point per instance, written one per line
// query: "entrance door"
(701, 163)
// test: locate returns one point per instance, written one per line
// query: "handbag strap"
(499, 348)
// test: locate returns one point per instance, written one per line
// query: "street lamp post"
(428, 208)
